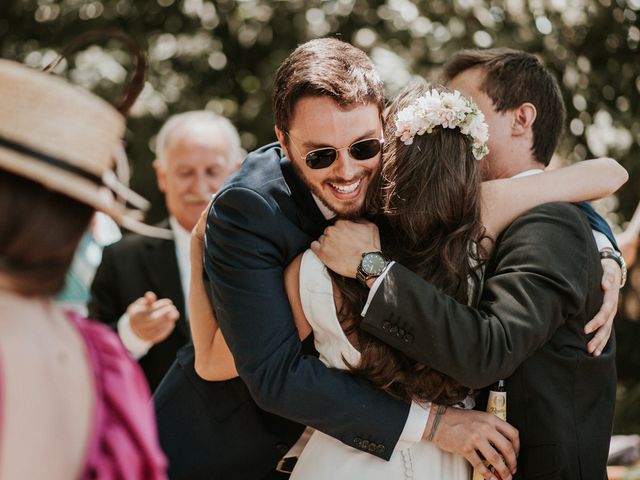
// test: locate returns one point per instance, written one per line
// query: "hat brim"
(81, 189)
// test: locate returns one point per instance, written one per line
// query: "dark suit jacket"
(214, 430)
(129, 268)
(542, 285)
(259, 222)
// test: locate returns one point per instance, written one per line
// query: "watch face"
(373, 263)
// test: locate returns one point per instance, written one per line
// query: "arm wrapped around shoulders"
(249, 242)
(544, 267)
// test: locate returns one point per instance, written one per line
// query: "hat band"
(43, 157)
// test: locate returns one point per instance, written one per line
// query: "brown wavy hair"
(427, 206)
(326, 67)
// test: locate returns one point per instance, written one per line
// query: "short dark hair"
(39, 233)
(325, 67)
(511, 78)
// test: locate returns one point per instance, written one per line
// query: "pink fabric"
(124, 441)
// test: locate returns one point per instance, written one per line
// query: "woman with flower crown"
(427, 202)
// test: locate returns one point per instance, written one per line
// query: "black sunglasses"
(324, 157)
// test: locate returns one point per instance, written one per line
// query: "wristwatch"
(617, 257)
(372, 264)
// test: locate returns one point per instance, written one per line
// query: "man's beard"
(351, 215)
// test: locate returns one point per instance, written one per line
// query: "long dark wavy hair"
(427, 206)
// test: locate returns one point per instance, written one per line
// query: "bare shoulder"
(292, 271)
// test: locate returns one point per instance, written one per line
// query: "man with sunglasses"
(328, 104)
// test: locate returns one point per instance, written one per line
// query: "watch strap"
(617, 257)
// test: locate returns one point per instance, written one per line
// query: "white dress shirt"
(135, 345)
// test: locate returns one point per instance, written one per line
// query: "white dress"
(324, 457)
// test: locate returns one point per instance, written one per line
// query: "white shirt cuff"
(374, 288)
(416, 423)
(136, 346)
(601, 240)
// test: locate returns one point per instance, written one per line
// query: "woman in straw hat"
(72, 403)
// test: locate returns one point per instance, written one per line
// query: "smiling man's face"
(319, 122)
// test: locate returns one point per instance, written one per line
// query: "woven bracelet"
(436, 421)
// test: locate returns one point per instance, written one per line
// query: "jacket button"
(380, 449)
(372, 447)
(357, 441)
(282, 448)
(408, 338)
(386, 325)
(365, 444)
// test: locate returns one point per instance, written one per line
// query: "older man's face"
(197, 165)
(319, 122)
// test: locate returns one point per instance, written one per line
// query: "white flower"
(448, 110)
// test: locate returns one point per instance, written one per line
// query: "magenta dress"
(123, 443)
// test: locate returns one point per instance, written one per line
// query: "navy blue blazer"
(598, 223)
(258, 223)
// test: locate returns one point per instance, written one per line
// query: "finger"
(315, 247)
(138, 303)
(168, 313)
(492, 456)
(363, 221)
(150, 297)
(477, 463)
(342, 223)
(606, 312)
(596, 322)
(599, 341)
(163, 302)
(603, 318)
(511, 434)
(506, 453)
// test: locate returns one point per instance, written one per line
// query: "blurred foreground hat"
(68, 140)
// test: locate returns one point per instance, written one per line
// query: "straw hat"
(67, 139)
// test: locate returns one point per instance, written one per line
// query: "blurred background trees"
(222, 55)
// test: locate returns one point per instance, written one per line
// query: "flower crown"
(446, 109)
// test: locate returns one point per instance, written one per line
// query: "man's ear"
(283, 141)
(280, 136)
(523, 118)
(161, 175)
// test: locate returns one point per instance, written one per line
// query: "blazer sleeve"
(246, 252)
(103, 305)
(539, 278)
